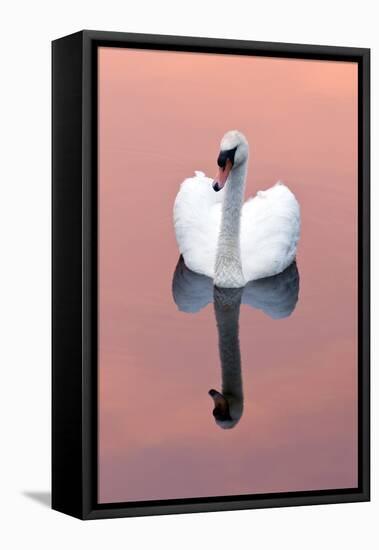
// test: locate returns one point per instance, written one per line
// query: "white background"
(26, 31)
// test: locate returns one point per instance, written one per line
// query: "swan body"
(230, 241)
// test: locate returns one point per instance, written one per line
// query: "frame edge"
(67, 96)
(82, 503)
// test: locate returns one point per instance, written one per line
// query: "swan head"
(234, 151)
(226, 412)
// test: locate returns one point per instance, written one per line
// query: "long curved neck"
(227, 309)
(228, 267)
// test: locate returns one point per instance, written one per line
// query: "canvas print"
(227, 275)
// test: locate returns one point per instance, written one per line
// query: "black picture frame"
(74, 273)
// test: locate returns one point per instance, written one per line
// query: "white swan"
(229, 241)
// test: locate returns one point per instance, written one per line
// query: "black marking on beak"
(224, 156)
(221, 411)
(216, 186)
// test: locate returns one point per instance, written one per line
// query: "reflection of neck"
(228, 268)
(227, 308)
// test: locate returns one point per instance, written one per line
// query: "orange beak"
(222, 176)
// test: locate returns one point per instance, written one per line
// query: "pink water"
(161, 116)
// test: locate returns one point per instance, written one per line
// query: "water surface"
(161, 116)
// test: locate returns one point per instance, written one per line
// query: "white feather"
(197, 218)
(270, 228)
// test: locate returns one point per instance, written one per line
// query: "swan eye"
(226, 155)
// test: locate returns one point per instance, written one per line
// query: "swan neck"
(233, 201)
(228, 268)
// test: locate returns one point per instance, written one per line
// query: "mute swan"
(276, 296)
(231, 242)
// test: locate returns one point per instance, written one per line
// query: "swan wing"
(197, 219)
(191, 291)
(276, 296)
(270, 229)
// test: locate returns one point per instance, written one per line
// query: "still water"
(203, 391)
(275, 296)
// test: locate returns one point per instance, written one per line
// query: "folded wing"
(197, 219)
(270, 229)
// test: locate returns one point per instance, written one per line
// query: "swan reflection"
(276, 296)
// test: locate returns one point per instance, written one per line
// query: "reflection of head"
(226, 416)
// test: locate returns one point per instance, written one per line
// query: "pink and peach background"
(161, 116)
